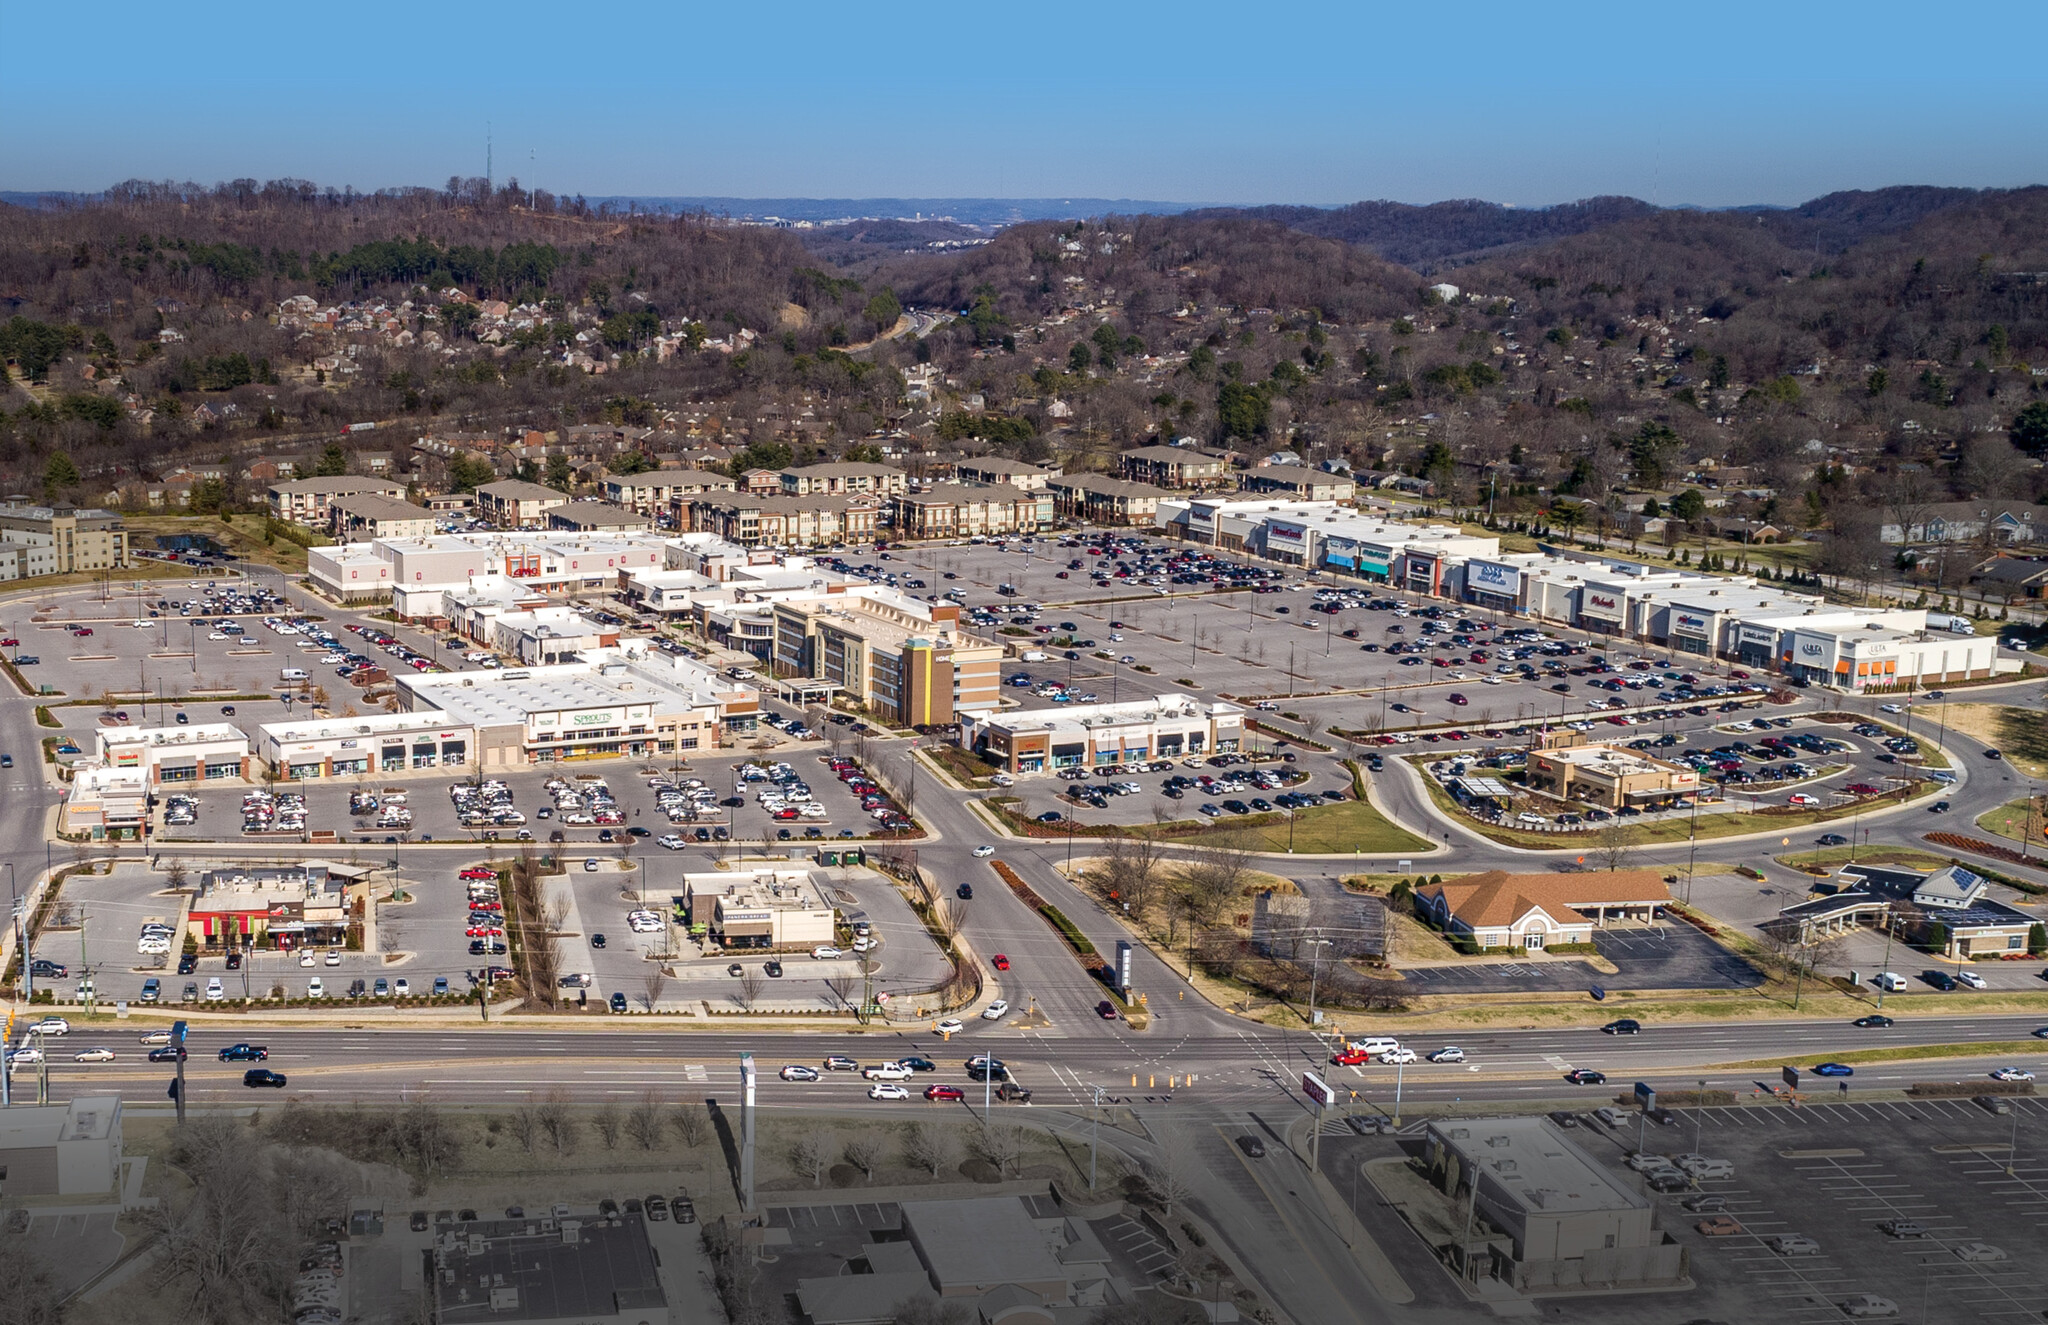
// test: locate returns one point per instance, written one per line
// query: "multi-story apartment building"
(361, 519)
(1174, 466)
(516, 504)
(55, 540)
(905, 659)
(961, 510)
(846, 478)
(807, 521)
(310, 501)
(657, 491)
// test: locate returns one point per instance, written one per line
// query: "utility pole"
(1095, 1135)
(1315, 969)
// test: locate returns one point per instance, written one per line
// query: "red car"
(1351, 1058)
(1863, 789)
(785, 815)
(475, 873)
(10, 643)
(1002, 962)
(82, 631)
(944, 1093)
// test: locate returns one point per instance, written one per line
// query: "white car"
(670, 840)
(1870, 1304)
(402, 987)
(1450, 1053)
(334, 956)
(984, 852)
(51, 1026)
(798, 1072)
(214, 992)
(93, 1056)
(886, 1072)
(1398, 1056)
(306, 957)
(1972, 979)
(1890, 708)
(1980, 1251)
(950, 1026)
(218, 635)
(995, 1011)
(1793, 1244)
(826, 953)
(886, 1091)
(315, 989)
(2012, 1074)
(28, 1054)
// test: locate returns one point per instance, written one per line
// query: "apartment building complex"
(55, 540)
(962, 510)
(516, 504)
(310, 501)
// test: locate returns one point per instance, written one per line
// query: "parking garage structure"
(1167, 726)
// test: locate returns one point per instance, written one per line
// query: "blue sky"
(1310, 102)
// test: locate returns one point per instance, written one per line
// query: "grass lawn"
(243, 537)
(1863, 856)
(2010, 821)
(1350, 825)
(2018, 733)
(1654, 831)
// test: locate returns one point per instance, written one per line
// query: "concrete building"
(308, 904)
(1950, 910)
(904, 658)
(516, 504)
(68, 1149)
(1502, 910)
(381, 743)
(997, 1257)
(417, 573)
(1545, 1215)
(543, 636)
(204, 752)
(960, 510)
(1567, 767)
(361, 519)
(106, 804)
(546, 1271)
(310, 501)
(1173, 467)
(618, 704)
(780, 909)
(1168, 726)
(56, 540)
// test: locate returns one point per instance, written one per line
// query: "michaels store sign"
(1488, 577)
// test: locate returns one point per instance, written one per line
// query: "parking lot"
(1665, 956)
(1831, 1172)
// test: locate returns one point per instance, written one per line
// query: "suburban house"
(516, 504)
(1502, 910)
(1173, 466)
(1749, 531)
(1964, 522)
(2011, 575)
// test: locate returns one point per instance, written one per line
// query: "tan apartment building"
(808, 521)
(55, 540)
(1173, 467)
(363, 519)
(845, 478)
(905, 659)
(1016, 473)
(1606, 775)
(962, 510)
(1097, 499)
(310, 501)
(658, 491)
(516, 504)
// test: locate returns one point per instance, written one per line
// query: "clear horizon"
(1756, 106)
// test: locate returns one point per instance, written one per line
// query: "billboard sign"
(1318, 1090)
(1123, 965)
(1488, 577)
(1791, 1075)
(1645, 1096)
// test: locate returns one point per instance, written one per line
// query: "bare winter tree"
(863, 1150)
(692, 1124)
(1131, 865)
(652, 984)
(557, 1123)
(526, 1128)
(809, 1155)
(842, 987)
(1172, 1172)
(1614, 842)
(643, 1123)
(1002, 1146)
(1992, 469)
(751, 984)
(610, 1124)
(929, 1146)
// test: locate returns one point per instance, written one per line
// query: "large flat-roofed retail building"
(588, 710)
(200, 753)
(1165, 726)
(547, 1271)
(1546, 1216)
(372, 743)
(69, 1149)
